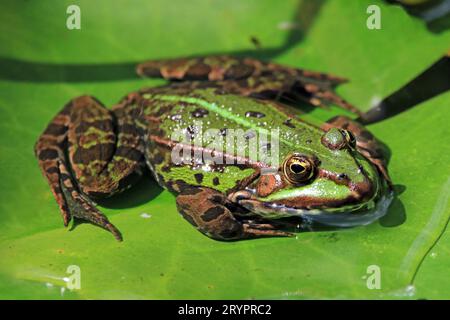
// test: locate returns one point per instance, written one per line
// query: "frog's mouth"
(343, 217)
(340, 216)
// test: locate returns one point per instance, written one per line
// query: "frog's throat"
(348, 216)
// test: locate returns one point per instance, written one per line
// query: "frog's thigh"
(205, 209)
(103, 162)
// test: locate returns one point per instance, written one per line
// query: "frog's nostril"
(342, 177)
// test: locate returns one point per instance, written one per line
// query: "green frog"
(227, 138)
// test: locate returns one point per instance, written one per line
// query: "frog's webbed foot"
(71, 202)
(206, 209)
(82, 157)
(250, 77)
(81, 207)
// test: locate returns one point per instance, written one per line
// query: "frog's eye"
(298, 169)
(350, 138)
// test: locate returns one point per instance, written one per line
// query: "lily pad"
(43, 65)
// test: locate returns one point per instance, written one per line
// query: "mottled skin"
(89, 152)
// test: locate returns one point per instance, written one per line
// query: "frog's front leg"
(208, 211)
(89, 152)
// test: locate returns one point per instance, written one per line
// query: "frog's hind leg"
(292, 84)
(251, 77)
(320, 91)
(86, 153)
(206, 209)
(212, 68)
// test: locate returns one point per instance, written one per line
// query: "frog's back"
(223, 122)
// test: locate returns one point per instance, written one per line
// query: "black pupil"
(297, 168)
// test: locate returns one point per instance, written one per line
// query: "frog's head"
(330, 182)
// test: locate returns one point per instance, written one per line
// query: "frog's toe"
(84, 209)
(116, 233)
(261, 230)
(262, 226)
(93, 215)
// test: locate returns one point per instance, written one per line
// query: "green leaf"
(43, 65)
